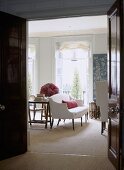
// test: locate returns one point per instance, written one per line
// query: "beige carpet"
(36, 161)
(64, 149)
(85, 140)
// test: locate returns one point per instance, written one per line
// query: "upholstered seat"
(60, 110)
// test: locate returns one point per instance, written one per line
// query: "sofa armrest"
(57, 108)
(80, 102)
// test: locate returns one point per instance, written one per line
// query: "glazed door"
(114, 85)
(13, 116)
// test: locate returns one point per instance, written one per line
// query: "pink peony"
(49, 89)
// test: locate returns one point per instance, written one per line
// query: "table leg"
(46, 116)
(51, 121)
(34, 111)
(29, 113)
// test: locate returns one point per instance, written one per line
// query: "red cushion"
(70, 104)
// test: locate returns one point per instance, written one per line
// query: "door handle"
(2, 107)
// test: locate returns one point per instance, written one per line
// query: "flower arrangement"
(49, 89)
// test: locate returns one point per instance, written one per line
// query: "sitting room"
(73, 57)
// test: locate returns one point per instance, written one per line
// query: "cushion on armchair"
(70, 104)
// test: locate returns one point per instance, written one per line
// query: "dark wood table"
(47, 111)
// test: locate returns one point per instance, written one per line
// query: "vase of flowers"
(49, 89)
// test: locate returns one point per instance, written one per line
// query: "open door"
(116, 82)
(13, 114)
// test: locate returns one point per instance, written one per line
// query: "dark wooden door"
(122, 84)
(13, 116)
(114, 126)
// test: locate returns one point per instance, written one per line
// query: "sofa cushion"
(70, 104)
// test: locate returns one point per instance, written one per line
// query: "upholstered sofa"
(60, 109)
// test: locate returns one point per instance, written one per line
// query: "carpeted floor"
(36, 161)
(85, 140)
(64, 149)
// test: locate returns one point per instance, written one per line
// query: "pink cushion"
(70, 104)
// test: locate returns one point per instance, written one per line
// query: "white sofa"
(60, 110)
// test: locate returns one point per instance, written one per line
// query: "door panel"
(114, 85)
(113, 144)
(13, 119)
(122, 83)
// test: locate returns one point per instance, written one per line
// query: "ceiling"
(44, 9)
(68, 26)
(33, 10)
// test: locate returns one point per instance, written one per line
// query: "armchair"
(60, 110)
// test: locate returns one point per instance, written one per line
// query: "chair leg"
(34, 111)
(58, 122)
(51, 123)
(29, 117)
(81, 121)
(103, 126)
(41, 114)
(34, 116)
(86, 117)
(73, 123)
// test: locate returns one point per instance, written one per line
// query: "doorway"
(47, 43)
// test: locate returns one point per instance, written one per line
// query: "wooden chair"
(36, 108)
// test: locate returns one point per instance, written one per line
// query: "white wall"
(46, 53)
(36, 43)
(99, 44)
(45, 74)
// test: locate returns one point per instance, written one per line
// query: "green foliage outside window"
(76, 90)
